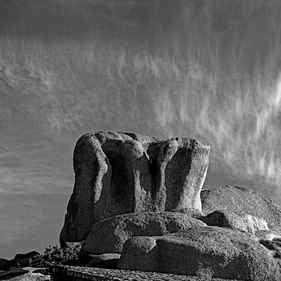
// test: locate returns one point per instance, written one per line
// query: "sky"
(209, 70)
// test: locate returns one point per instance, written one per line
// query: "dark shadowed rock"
(207, 252)
(274, 245)
(117, 173)
(140, 253)
(243, 222)
(241, 200)
(3, 263)
(109, 235)
(108, 260)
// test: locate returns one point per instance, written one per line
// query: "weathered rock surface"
(243, 222)
(109, 235)
(189, 212)
(108, 260)
(207, 252)
(241, 200)
(268, 235)
(117, 173)
(275, 246)
(92, 273)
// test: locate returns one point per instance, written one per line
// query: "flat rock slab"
(86, 273)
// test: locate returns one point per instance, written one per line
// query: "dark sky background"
(192, 68)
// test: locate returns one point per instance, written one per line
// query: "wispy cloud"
(203, 69)
(34, 169)
(199, 76)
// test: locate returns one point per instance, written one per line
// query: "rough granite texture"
(117, 173)
(131, 192)
(100, 274)
(243, 222)
(209, 252)
(241, 200)
(109, 235)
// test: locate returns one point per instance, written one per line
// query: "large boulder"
(118, 173)
(243, 222)
(241, 200)
(207, 252)
(109, 235)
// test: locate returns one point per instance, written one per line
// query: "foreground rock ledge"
(206, 252)
(118, 173)
(59, 273)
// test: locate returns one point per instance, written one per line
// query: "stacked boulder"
(136, 205)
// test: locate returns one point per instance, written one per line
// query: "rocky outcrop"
(20, 260)
(140, 253)
(207, 252)
(108, 260)
(241, 200)
(109, 235)
(117, 173)
(141, 197)
(244, 222)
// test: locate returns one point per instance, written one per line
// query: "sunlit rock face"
(118, 173)
(206, 252)
(241, 201)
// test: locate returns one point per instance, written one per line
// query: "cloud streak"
(212, 76)
(203, 69)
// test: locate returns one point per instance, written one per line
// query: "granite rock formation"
(207, 252)
(242, 222)
(118, 173)
(241, 200)
(109, 235)
(141, 197)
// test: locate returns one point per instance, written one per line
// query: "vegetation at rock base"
(54, 255)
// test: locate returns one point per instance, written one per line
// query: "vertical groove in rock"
(117, 173)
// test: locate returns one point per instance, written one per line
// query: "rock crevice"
(118, 173)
